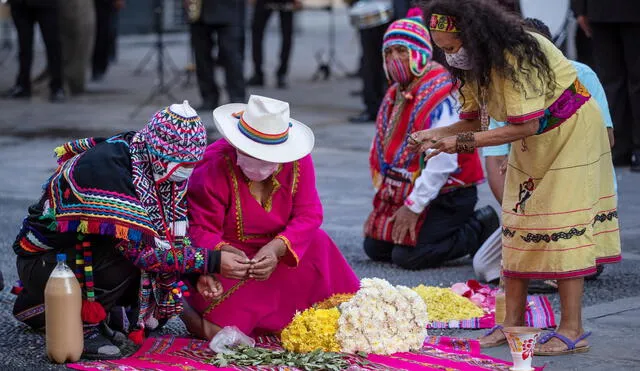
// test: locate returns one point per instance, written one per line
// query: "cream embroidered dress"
(559, 208)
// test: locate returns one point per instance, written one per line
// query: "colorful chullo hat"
(174, 135)
(410, 32)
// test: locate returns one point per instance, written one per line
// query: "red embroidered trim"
(526, 117)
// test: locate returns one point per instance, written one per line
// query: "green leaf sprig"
(314, 361)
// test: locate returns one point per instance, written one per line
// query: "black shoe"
(281, 82)
(489, 222)
(97, 346)
(635, 161)
(256, 80)
(57, 96)
(17, 92)
(117, 338)
(362, 118)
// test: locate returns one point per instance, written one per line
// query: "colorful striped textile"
(171, 353)
(539, 314)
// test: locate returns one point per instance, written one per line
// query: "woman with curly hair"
(559, 207)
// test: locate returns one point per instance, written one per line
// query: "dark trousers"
(115, 278)
(105, 14)
(584, 48)
(261, 15)
(25, 15)
(617, 56)
(228, 38)
(450, 231)
(373, 77)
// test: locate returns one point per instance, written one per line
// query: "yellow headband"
(443, 23)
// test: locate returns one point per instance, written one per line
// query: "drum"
(556, 14)
(368, 14)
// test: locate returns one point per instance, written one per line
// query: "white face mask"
(459, 59)
(181, 174)
(255, 169)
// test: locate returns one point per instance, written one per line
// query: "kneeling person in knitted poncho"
(117, 208)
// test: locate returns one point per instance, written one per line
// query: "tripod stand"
(324, 66)
(161, 88)
(159, 53)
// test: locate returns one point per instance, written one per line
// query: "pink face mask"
(254, 169)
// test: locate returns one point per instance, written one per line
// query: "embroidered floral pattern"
(601, 218)
(526, 189)
(537, 237)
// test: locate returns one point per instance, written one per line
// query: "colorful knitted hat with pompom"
(411, 33)
(174, 134)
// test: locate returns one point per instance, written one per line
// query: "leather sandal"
(571, 344)
(496, 343)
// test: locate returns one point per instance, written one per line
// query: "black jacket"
(608, 11)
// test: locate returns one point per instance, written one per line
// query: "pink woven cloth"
(170, 353)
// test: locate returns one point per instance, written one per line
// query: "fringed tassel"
(17, 288)
(137, 336)
(83, 227)
(61, 152)
(92, 311)
(122, 232)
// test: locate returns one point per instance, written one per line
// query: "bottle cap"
(61, 258)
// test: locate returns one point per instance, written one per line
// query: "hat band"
(443, 23)
(258, 136)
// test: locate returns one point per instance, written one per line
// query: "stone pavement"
(30, 130)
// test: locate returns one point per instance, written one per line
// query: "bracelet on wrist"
(465, 142)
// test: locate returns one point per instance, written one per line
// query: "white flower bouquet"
(382, 319)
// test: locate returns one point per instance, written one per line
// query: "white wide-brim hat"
(263, 129)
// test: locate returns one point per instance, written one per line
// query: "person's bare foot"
(492, 339)
(556, 346)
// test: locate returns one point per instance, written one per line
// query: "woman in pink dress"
(255, 194)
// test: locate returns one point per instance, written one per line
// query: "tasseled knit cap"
(410, 32)
(175, 135)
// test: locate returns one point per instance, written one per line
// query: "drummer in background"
(373, 76)
(261, 14)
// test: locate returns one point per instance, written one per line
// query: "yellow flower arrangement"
(333, 301)
(311, 330)
(445, 305)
